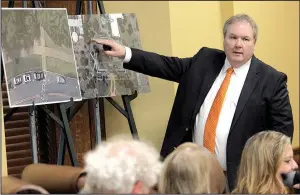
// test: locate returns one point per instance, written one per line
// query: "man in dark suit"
(223, 97)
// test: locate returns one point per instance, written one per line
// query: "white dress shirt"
(227, 112)
(228, 109)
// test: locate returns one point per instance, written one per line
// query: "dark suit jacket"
(263, 104)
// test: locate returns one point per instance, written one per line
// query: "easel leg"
(65, 138)
(2, 72)
(33, 136)
(101, 7)
(9, 113)
(11, 3)
(62, 143)
(97, 120)
(102, 118)
(68, 136)
(130, 118)
(61, 148)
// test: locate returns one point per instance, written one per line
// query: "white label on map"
(114, 24)
(75, 22)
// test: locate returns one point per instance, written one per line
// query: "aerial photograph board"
(38, 56)
(101, 75)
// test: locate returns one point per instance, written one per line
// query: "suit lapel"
(250, 83)
(211, 74)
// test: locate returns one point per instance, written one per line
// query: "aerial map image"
(38, 56)
(101, 75)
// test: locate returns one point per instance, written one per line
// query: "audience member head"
(265, 157)
(191, 169)
(122, 165)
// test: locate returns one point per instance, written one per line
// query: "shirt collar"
(240, 71)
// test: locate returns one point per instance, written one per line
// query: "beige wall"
(194, 24)
(152, 110)
(278, 42)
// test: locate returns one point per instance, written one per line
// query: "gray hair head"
(238, 18)
(115, 166)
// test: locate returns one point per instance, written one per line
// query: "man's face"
(239, 43)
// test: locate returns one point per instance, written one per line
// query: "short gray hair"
(116, 165)
(241, 17)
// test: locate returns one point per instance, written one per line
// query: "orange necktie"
(209, 140)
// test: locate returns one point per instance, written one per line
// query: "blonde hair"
(190, 169)
(261, 158)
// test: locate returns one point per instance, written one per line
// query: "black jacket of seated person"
(263, 103)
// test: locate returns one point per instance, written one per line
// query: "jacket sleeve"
(281, 116)
(152, 64)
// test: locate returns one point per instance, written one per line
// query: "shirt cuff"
(128, 55)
